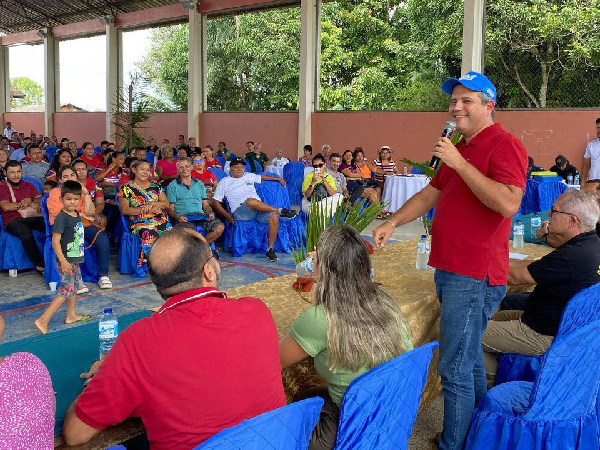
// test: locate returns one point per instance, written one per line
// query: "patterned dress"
(148, 227)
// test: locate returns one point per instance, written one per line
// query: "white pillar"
(4, 83)
(112, 77)
(50, 70)
(310, 47)
(473, 36)
(196, 72)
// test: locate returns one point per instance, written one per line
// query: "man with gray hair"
(557, 277)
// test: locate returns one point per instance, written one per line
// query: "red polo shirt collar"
(189, 296)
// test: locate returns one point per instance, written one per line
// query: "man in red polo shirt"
(203, 363)
(476, 192)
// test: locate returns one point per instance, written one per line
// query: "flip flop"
(84, 318)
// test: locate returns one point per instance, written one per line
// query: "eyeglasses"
(316, 166)
(553, 211)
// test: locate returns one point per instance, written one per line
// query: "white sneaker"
(83, 290)
(104, 283)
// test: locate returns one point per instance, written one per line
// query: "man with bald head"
(202, 363)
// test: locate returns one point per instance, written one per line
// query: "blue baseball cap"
(474, 81)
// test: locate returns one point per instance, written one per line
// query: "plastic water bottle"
(518, 232)
(536, 223)
(576, 180)
(569, 179)
(108, 330)
(422, 253)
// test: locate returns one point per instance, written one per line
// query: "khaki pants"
(506, 333)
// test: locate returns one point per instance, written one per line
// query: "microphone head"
(450, 126)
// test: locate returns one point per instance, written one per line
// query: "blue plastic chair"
(293, 174)
(50, 151)
(556, 411)
(219, 173)
(89, 267)
(581, 310)
(286, 428)
(259, 169)
(251, 236)
(12, 253)
(380, 407)
(97, 149)
(34, 182)
(129, 252)
(150, 158)
(221, 160)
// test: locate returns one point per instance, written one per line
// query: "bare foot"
(41, 326)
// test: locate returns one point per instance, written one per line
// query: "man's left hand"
(448, 153)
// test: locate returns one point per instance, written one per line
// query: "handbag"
(27, 212)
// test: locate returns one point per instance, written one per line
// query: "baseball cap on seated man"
(474, 81)
(237, 160)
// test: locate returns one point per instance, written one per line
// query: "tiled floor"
(22, 300)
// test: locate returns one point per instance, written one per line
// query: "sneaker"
(83, 290)
(104, 283)
(271, 256)
(287, 213)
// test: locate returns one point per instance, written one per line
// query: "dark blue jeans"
(101, 246)
(466, 304)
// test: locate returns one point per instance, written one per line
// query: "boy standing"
(67, 242)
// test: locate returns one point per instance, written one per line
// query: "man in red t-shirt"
(476, 192)
(202, 363)
(24, 195)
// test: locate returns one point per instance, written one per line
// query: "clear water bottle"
(569, 179)
(518, 232)
(108, 330)
(576, 180)
(536, 223)
(422, 253)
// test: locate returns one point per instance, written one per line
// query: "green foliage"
(34, 94)
(321, 217)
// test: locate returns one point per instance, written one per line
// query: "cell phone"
(318, 170)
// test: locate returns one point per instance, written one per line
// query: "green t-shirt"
(254, 160)
(310, 331)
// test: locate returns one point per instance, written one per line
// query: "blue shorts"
(245, 213)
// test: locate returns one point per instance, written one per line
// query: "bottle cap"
(107, 310)
(423, 236)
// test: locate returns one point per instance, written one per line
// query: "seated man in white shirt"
(245, 203)
(319, 186)
(279, 159)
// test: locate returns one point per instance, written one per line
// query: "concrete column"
(196, 73)
(4, 83)
(310, 47)
(50, 77)
(112, 77)
(473, 36)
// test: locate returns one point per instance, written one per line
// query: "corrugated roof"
(26, 15)
(15, 93)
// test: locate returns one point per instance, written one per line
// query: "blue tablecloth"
(67, 353)
(540, 196)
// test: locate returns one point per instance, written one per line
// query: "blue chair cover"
(150, 158)
(97, 149)
(34, 182)
(221, 161)
(116, 447)
(581, 310)
(219, 173)
(249, 167)
(251, 236)
(89, 267)
(50, 151)
(12, 253)
(293, 174)
(416, 171)
(286, 428)
(557, 411)
(380, 407)
(129, 252)
(540, 196)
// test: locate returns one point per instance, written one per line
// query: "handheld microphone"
(448, 130)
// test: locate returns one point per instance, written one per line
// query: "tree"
(34, 94)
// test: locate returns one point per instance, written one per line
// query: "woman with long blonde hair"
(353, 327)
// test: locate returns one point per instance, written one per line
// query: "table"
(67, 354)
(540, 196)
(278, 170)
(399, 188)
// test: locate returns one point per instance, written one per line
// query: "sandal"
(84, 318)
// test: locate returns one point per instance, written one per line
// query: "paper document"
(512, 255)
